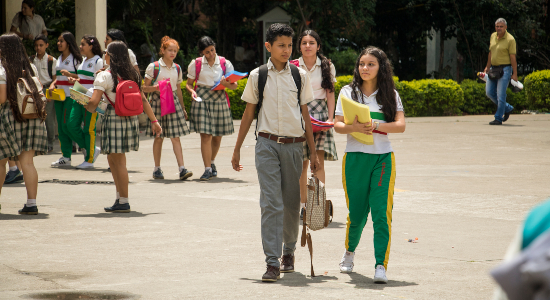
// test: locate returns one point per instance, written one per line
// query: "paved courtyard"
(462, 188)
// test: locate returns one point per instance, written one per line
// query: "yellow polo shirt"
(502, 48)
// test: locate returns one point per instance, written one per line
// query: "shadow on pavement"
(95, 170)
(295, 279)
(364, 282)
(24, 217)
(213, 180)
(337, 225)
(132, 214)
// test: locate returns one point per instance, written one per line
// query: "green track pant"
(84, 137)
(63, 113)
(368, 181)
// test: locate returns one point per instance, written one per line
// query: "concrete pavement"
(462, 188)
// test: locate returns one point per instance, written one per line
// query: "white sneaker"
(83, 151)
(96, 153)
(380, 275)
(85, 165)
(62, 162)
(346, 265)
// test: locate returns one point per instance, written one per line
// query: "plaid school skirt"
(173, 125)
(119, 134)
(324, 140)
(24, 136)
(212, 115)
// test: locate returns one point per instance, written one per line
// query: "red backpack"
(128, 99)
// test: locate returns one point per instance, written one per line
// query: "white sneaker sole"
(380, 280)
(346, 271)
(84, 167)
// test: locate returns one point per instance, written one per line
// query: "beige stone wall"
(12, 7)
(91, 18)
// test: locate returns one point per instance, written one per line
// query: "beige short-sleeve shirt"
(165, 72)
(104, 82)
(280, 113)
(316, 77)
(34, 25)
(209, 75)
(42, 66)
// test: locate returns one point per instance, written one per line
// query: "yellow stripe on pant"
(91, 134)
(368, 181)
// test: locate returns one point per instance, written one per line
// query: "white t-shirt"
(381, 141)
(68, 64)
(164, 73)
(104, 82)
(34, 25)
(316, 77)
(209, 75)
(42, 66)
(87, 70)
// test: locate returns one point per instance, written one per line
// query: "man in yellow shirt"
(503, 66)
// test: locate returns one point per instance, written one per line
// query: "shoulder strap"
(156, 71)
(50, 65)
(179, 69)
(198, 65)
(297, 79)
(262, 79)
(106, 92)
(222, 64)
(32, 58)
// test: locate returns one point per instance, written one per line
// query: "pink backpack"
(295, 62)
(198, 64)
(128, 99)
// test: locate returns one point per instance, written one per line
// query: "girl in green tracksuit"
(368, 171)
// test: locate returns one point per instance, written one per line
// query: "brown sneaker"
(287, 263)
(272, 274)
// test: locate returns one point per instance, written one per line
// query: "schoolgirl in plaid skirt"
(323, 76)
(20, 139)
(173, 124)
(119, 134)
(210, 113)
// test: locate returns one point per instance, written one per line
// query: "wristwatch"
(376, 125)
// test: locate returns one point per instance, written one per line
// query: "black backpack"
(50, 64)
(262, 79)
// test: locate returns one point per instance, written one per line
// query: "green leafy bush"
(344, 61)
(476, 101)
(431, 97)
(537, 89)
(341, 82)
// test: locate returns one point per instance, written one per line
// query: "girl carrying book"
(119, 134)
(85, 136)
(67, 64)
(20, 139)
(323, 76)
(368, 171)
(173, 124)
(210, 113)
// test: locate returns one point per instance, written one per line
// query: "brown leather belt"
(281, 139)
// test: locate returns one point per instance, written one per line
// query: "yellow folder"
(56, 94)
(362, 111)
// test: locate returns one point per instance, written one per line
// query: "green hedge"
(435, 97)
(537, 88)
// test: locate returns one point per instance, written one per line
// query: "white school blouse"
(382, 143)
(209, 74)
(104, 82)
(165, 72)
(316, 77)
(42, 66)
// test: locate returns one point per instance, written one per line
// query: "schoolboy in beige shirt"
(281, 124)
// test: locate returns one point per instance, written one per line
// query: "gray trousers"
(50, 119)
(279, 167)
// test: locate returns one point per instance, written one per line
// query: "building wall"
(433, 54)
(11, 8)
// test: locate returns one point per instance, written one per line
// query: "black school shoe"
(184, 174)
(206, 176)
(118, 208)
(32, 210)
(495, 122)
(506, 116)
(214, 171)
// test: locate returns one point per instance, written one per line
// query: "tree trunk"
(441, 52)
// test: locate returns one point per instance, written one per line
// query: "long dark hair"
(96, 46)
(120, 64)
(30, 4)
(117, 35)
(386, 87)
(326, 83)
(205, 42)
(73, 47)
(17, 65)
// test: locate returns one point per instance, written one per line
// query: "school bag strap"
(156, 70)
(50, 66)
(198, 65)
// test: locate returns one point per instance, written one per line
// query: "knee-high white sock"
(31, 202)
(123, 200)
